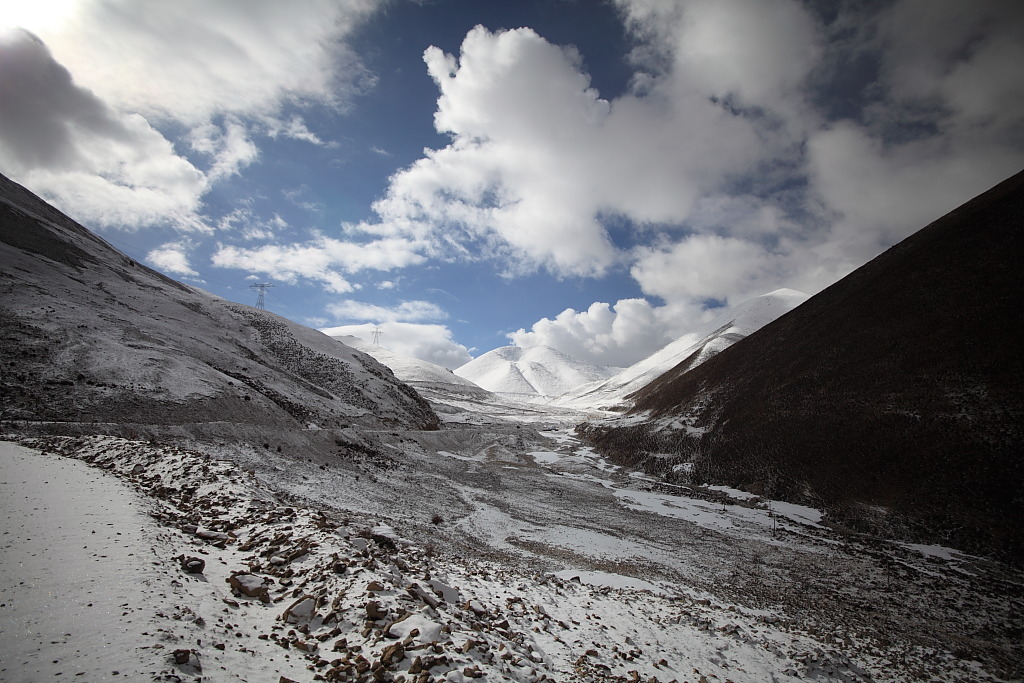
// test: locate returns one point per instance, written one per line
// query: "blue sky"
(595, 176)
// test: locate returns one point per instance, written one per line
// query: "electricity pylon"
(261, 299)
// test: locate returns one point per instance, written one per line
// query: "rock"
(192, 565)
(187, 658)
(392, 653)
(253, 586)
(300, 611)
(306, 645)
(374, 586)
(375, 611)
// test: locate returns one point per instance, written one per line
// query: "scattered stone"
(192, 565)
(301, 611)
(375, 611)
(253, 586)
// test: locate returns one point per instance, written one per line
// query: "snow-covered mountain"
(91, 336)
(531, 374)
(692, 349)
(406, 368)
(253, 546)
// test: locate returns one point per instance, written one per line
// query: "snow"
(537, 372)
(712, 338)
(78, 576)
(406, 368)
(608, 579)
(234, 544)
(640, 586)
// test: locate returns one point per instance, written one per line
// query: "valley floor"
(499, 548)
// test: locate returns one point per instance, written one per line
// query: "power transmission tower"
(376, 336)
(261, 299)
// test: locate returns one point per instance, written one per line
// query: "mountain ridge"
(893, 398)
(91, 336)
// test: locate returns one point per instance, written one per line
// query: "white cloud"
(229, 147)
(706, 267)
(105, 168)
(432, 343)
(295, 129)
(172, 257)
(324, 259)
(537, 157)
(191, 60)
(755, 53)
(221, 71)
(249, 225)
(405, 311)
(616, 336)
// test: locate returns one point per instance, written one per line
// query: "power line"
(261, 298)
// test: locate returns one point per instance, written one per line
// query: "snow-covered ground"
(498, 548)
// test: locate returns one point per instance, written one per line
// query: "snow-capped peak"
(531, 373)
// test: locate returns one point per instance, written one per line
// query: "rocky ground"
(475, 553)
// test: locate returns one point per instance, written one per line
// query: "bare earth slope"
(893, 398)
(89, 335)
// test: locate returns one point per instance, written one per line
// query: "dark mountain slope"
(88, 336)
(893, 398)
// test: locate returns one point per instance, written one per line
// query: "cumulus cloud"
(106, 168)
(324, 259)
(616, 335)
(432, 343)
(223, 72)
(406, 311)
(836, 169)
(538, 158)
(172, 257)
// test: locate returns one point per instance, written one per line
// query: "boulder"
(251, 585)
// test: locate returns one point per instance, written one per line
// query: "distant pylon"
(261, 298)
(376, 336)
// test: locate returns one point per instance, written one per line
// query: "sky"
(596, 176)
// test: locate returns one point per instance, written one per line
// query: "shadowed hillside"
(893, 398)
(90, 337)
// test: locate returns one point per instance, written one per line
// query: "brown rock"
(375, 611)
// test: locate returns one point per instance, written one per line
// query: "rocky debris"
(354, 607)
(192, 565)
(187, 660)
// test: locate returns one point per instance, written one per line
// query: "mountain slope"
(894, 398)
(537, 372)
(406, 368)
(691, 349)
(91, 336)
